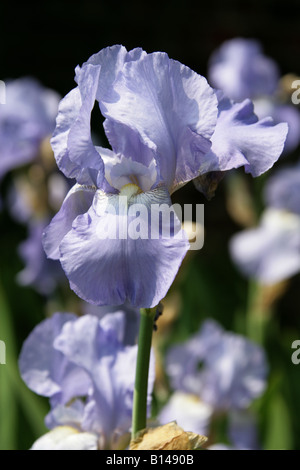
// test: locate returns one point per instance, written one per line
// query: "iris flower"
(26, 118)
(270, 252)
(87, 373)
(160, 118)
(233, 371)
(240, 68)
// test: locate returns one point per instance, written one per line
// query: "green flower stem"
(139, 414)
(258, 314)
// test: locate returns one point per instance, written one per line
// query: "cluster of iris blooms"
(166, 126)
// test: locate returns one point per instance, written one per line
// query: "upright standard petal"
(111, 60)
(68, 111)
(172, 108)
(72, 144)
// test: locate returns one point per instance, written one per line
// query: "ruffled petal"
(124, 320)
(106, 266)
(172, 108)
(69, 108)
(279, 112)
(240, 139)
(77, 201)
(73, 112)
(111, 61)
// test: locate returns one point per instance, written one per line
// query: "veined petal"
(108, 262)
(172, 108)
(77, 201)
(240, 139)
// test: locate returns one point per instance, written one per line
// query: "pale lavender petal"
(183, 360)
(111, 61)
(235, 373)
(84, 342)
(282, 190)
(77, 201)
(111, 407)
(45, 370)
(233, 370)
(68, 113)
(27, 117)
(105, 269)
(241, 70)
(124, 320)
(289, 114)
(172, 109)
(240, 139)
(281, 113)
(81, 148)
(269, 253)
(111, 367)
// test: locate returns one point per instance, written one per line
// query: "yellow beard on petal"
(130, 190)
